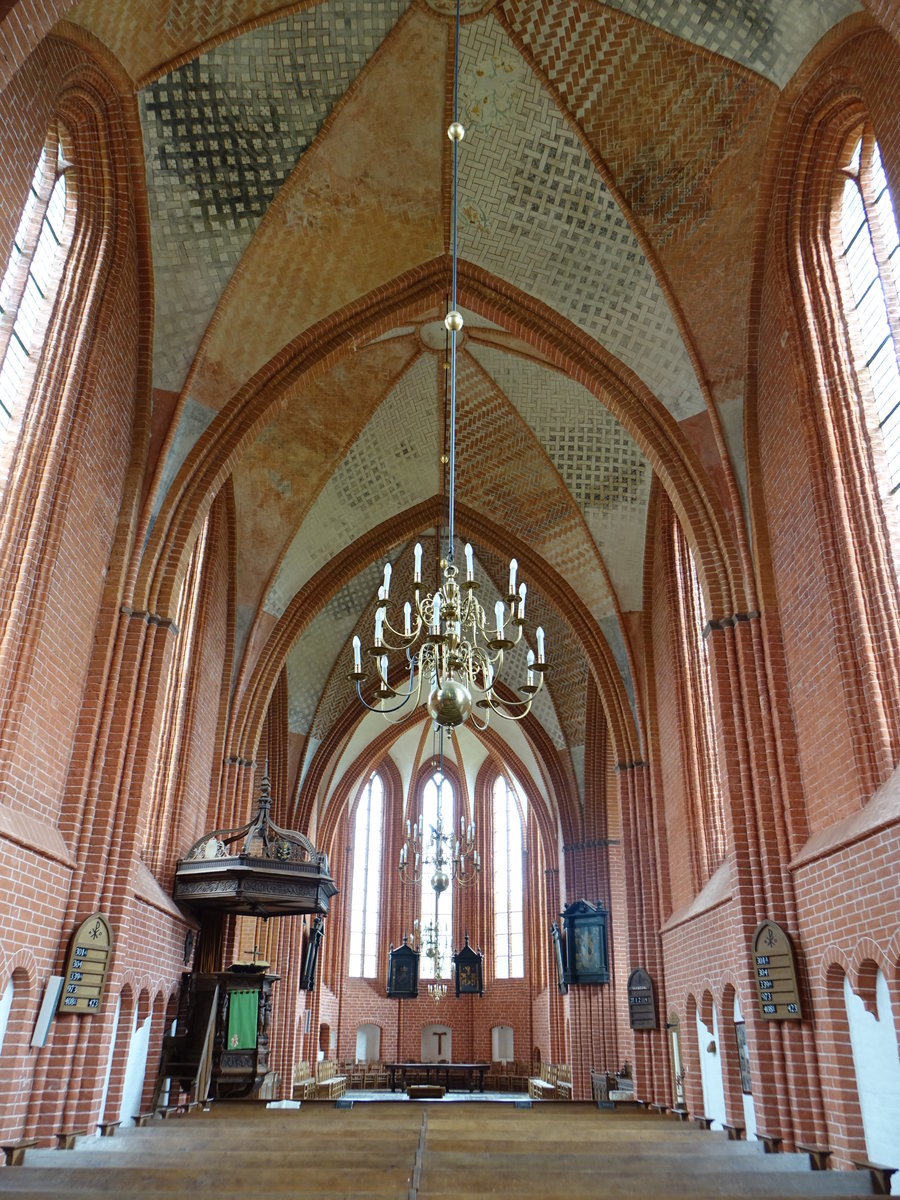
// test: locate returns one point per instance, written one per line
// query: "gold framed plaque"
(87, 967)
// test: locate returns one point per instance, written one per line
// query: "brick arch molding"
(567, 348)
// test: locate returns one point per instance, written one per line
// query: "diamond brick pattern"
(535, 211)
(392, 466)
(653, 108)
(221, 134)
(312, 662)
(502, 471)
(768, 36)
(601, 465)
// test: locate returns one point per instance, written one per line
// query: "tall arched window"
(869, 248)
(29, 284)
(158, 836)
(365, 892)
(700, 743)
(437, 809)
(509, 891)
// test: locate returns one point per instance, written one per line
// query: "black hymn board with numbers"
(776, 974)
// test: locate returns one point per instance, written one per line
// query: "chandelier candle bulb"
(357, 656)
(407, 619)
(379, 626)
(499, 613)
(513, 567)
(530, 661)
(470, 563)
(387, 581)
(436, 614)
(417, 563)
(539, 634)
(522, 591)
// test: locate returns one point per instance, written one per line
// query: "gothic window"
(700, 745)
(157, 847)
(508, 847)
(437, 914)
(868, 247)
(29, 284)
(365, 893)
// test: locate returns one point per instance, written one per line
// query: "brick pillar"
(592, 1007)
(108, 810)
(786, 1086)
(652, 1072)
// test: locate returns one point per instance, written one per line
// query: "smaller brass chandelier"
(450, 857)
(429, 943)
(453, 655)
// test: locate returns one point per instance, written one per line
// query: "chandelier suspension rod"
(451, 504)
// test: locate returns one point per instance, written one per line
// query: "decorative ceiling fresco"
(298, 170)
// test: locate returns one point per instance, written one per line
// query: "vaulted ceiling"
(297, 170)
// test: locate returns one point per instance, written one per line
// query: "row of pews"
(419, 1151)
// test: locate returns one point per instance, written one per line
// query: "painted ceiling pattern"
(221, 134)
(296, 162)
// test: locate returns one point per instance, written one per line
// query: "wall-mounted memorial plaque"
(468, 967)
(87, 966)
(587, 944)
(641, 1000)
(403, 973)
(776, 974)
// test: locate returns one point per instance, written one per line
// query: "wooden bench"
(681, 1113)
(818, 1156)
(329, 1084)
(66, 1138)
(108, 1128)
(543, 1085)
(660, 1109)
(735, 1132)
(14, 1152)
(879, 1174)
(703, 1122)
(771, 1142)
(144, 1118)
(304, 1082)
(564, 1082)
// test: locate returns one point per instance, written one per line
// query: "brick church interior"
(236, 434)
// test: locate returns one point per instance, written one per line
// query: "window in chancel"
(437, 810)
(870, 252)
(29, 284)
(509, 891)
(365, 893)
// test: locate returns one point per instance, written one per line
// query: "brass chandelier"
(452, 654)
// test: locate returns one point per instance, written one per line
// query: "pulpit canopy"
(257, 870)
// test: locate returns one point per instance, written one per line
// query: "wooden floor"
(419, 1151)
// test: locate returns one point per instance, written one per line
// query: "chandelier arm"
(374, 708)
(505, 712)
(405, 639)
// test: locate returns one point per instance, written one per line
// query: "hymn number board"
(776, 974)
(87, 966)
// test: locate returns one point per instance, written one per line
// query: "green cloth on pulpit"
(243, 1011)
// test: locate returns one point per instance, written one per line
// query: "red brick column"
(787, 1093)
